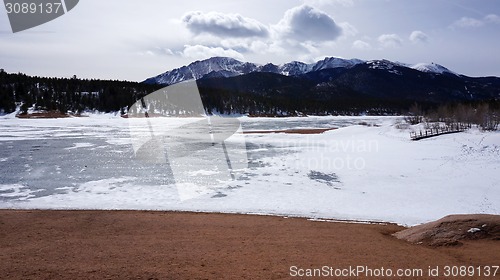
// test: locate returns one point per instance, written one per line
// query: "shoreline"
(252, 214)
(117, 115)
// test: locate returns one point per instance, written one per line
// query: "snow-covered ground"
(357, 172)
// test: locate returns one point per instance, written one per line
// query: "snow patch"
(17, 191)
(80, 145)
(473, 230)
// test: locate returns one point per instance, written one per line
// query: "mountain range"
(334, 81)
(217, 67)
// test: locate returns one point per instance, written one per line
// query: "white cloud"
(302, 30)
(361, 45)
(466, 22)
(160, 51)
(492, 18)
(390, 40)
(348, 29)
(203, 52)
(224, 25)
(418, 36)
(305, 23)
(260, 47)
(345, 3)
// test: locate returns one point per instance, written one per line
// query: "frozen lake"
(362, 172)
(53, 156)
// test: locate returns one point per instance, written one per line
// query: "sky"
(134, 40)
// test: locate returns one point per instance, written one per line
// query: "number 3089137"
(33, 8)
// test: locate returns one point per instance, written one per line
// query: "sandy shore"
(169, 245)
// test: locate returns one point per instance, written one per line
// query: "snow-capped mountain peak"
(198, 69)
(432, 68)
(336, 62)
(294, 68)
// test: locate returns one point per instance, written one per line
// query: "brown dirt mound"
(291, 131)
(450, 230)
(47, 115)
(43, 115)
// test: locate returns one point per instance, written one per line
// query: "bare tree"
(462, 115)
(415, 114)
(487, 118)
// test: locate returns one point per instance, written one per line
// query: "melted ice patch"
(80, 145)
(17, 191)
(203, 172)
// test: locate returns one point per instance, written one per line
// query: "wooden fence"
(431, 132)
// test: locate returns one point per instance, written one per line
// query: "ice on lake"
(360, 172)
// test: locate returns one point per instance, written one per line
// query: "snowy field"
(358, 172)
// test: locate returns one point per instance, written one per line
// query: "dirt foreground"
(170, 245)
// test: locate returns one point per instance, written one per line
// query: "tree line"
(483, 114)
(78, 95)
(67, 94)
(226, 101)
(20, 91)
